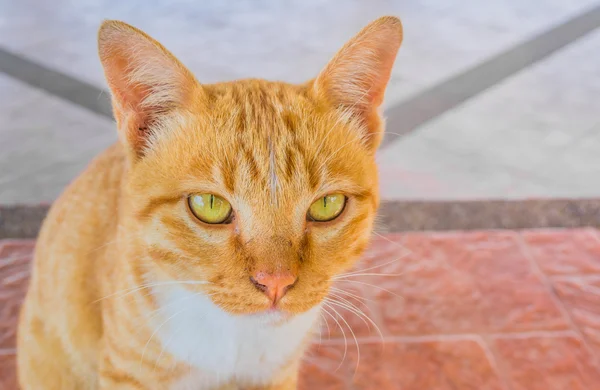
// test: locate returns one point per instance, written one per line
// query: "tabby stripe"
(251, 163)
(228, 173)
(117, 347)
(155, 203)
(290, 163)
(120, 378)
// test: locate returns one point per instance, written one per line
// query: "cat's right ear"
(147, 82)
(356, 78)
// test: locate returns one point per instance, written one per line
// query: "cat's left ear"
(356, 78)
(147, 82)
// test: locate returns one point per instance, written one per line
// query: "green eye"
(209, 208)
(327, 208)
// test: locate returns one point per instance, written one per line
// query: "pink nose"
(274, 285)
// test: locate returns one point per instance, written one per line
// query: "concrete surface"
(536, 134)
(531, 135)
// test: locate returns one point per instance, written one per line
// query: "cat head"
(262, 191)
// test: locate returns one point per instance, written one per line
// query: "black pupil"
(212, 201)
(324, 202)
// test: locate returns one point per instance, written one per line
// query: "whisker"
(164, 346)
(390, 241)
(355, 296)
(131, 290)
(162, 350)
(353, 336)
(371, 285)
(104, 245)
(376, 266)
(321, 329)
(153, 314)
(357, 311)
(155, 331)
(120, 235)
(343, 334)
(365, 274)
(348, 308)
(327, 325)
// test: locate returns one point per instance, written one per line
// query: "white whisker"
(357, 311)
(131, 290)
(343, 334)
(355, 296)
(353, 335)
(371, 285)
(349, 308)
(373, 267)
(155, 331)
(365, 274)
(327, 325)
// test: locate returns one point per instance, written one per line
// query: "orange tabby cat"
(197, 251)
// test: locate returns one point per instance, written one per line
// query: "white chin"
(271, 316)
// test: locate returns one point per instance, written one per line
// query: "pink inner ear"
(145, 79)
(357, 76)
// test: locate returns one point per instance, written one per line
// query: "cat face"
(265, 191)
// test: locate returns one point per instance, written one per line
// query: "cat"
(197, 251)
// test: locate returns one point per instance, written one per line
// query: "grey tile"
(42, 130)
(280, 40)
(529, 125)
(498, 146)
(44, 185)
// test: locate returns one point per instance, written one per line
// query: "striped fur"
(130, 291)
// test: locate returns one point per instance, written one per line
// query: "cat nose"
(274, 285)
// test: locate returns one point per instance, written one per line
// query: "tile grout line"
(427, 105)
(402, 118)
(441, 337)
(62, 85)
(487, 344)
(566, 312)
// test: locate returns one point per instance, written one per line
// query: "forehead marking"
(272, 173)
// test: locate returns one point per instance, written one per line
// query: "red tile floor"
(497, 310)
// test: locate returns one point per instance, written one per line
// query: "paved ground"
(533, 133)
(488, 100)
(492, 310)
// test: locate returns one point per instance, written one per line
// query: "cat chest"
(223, 347)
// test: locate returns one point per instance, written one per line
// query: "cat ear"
(147, 82)
(356, 78)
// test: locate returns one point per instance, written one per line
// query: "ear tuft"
(356, 78)
(145, 79)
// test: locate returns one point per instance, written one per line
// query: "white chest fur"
(225, 347)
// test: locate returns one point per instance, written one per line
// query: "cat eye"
(327, 208)
(210, 208)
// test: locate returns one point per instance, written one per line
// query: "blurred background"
(493, 115)
(492, 100)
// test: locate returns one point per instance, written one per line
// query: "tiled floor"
(497, 310)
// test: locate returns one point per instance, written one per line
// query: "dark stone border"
(400, 216)
(21, 221)
(489, 214)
